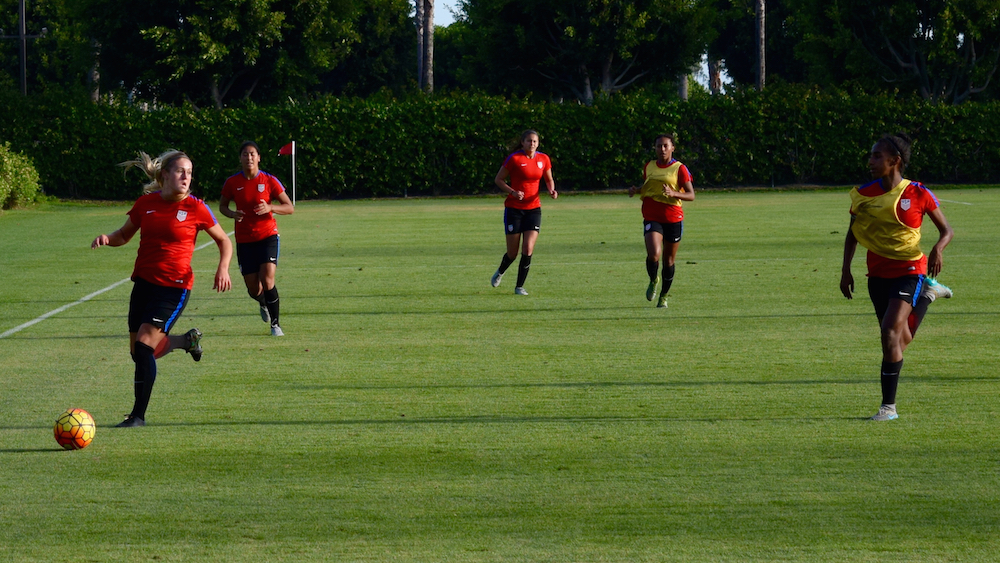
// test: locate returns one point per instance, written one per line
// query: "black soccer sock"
(652, 266)
(917, 316)
(259, 298)
(890, 380)
(271, 302)
(522, 269)
(145, 376)
(668, 278)
(505, 263)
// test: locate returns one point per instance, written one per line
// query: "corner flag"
(286, 150)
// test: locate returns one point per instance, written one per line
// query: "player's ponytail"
(153, 167)
(899, 144)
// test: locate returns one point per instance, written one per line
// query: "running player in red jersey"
(666, 183)
(885, 218)
(525, 169)
(258, 196)
(168, 219)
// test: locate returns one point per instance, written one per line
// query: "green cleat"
(651, 289)
(194, 344)
(662, 302)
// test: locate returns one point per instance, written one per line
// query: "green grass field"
(414, 413)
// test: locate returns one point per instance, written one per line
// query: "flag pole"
(290, 149)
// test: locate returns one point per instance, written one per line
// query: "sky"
(442, 12)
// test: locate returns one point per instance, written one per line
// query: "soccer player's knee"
(142, 351)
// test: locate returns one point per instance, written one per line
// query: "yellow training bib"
(656, 177)
(878, 228)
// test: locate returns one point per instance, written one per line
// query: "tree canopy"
(581, 48)
(944, 50)
(211, 52)
(229, 52)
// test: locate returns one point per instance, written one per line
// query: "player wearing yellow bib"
(885, 218)
(666, 183)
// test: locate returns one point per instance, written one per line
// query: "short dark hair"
(249, 144)
(671, 136)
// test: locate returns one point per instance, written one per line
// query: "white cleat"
(936, 290)
(276, 331)
(495, 280)
(886, 412)
(520, 291)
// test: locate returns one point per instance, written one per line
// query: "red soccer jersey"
(168, 230)
(247, 194)
(915, 201)
(658, 211)
(525, 175)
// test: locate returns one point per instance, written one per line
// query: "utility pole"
(22, 38)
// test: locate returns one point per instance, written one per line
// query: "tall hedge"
(455, 144)
(18, 179)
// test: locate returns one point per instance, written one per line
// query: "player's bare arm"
(846, 278)
(117, 238)
(686, 195)
(935, 260)
(501, 182)
(222, 279)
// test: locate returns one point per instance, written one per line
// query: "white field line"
(952, 201)
(83, 299)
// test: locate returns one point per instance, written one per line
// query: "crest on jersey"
(182, 215)
(904, 204)
(260, 188)
(539, 164)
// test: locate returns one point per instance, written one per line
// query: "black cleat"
(131, 422)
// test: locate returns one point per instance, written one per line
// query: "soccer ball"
(75, 429)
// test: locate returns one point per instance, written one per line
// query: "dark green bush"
(455, 144)
(18, 179)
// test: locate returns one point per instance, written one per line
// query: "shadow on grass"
(861, 380)
(457, 420)
(513, 308)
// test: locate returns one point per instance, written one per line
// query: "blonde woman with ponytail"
(168, 219)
